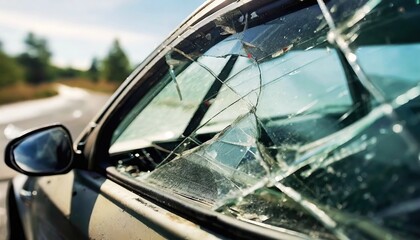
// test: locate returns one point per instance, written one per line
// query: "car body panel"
(16, 187)
(86, 205)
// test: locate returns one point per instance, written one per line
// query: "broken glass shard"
(383, 38)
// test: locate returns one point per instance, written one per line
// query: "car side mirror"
(41, 152)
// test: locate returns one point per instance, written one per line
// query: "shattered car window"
(306, 120)
(381, 41)
(168, 113)
(315, 81)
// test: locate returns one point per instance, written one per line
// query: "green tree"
(93, 72)
(10, 71)
(36, 60)
(116, 66)
(67, 72)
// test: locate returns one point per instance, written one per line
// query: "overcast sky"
(78, 30)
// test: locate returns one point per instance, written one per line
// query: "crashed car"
(254, 119)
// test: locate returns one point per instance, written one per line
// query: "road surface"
(72, 107)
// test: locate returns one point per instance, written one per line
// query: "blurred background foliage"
(31, 75)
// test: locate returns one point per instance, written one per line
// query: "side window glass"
(384, 41)
(171, 108)
(306, 120)
(292, 85)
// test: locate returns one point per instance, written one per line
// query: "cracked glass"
(300, 117)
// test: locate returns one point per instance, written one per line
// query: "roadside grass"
(23, 92)
(100, 86)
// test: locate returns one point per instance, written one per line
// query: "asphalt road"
(73, 107)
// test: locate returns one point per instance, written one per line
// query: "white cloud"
(42, 6)
(72, 44)
(56, 28)
(104, 4)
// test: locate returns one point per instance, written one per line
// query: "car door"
(155, 117)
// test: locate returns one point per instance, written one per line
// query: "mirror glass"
(46, 151)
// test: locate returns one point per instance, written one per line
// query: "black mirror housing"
(41, 152)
